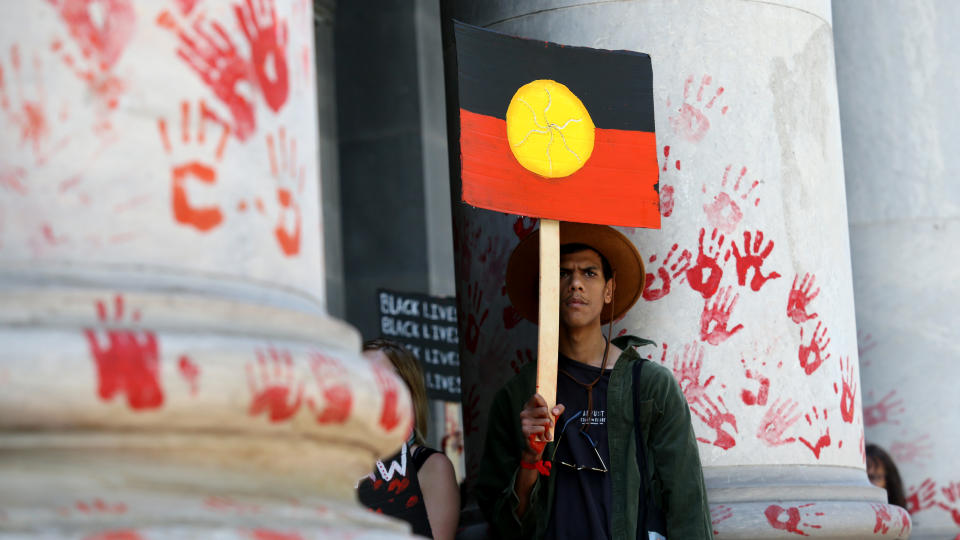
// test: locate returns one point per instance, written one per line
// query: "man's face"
(583, 290)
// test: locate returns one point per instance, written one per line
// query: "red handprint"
(704, 277)
(129, 363)
(759, 398)
(472, 335)
(884, 518)
(776, 421)
(922, 497)
(824, 439)
(268, 44)
(667, 273)
(286, 172)
(911, 451)
(818, 344)
(331, 379)
(800, 297)
(691, 122)
(193, 158)
(96, 506)
(849, 394)
(687, 372)
(190, 373)
(883, 410)
(511, 317)
(715, 418)
(718, 514)
(724, 213)
(390, 415)
(952, 504)
(523, 226)
(269, 534)
(716, 317)
(752, 257)
(274, 386)
(222, 69)
(789, 519)
(667, 199)
(29, 113)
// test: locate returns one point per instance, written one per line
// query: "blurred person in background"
(418, 484)
(883, 473)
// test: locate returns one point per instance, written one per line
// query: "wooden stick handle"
(549, 317)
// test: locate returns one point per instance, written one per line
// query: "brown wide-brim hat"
(523, 270)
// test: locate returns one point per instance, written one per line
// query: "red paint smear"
(70, 183)
(615, 187)
(107, 39)
(267, 534)
(666, 200)
(289, 241)
(777, 420)
(201, 218)
(128, 363)
(190, 373)
(122, 534)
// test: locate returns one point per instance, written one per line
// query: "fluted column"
(896, 67)
(168, 367)
(749, 293)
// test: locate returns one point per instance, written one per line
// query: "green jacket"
(675, 477)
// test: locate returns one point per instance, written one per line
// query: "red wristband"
(541, 466)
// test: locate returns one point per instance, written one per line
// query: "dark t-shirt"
(582, 499)
(397, 493)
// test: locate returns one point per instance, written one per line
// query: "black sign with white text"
(428, 327)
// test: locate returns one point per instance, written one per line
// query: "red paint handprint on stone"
(127, 361)
(193, 158)
(390, 414)
(704, 276)
(715, 418)
(778, 419)
(718, 514)
(763, 390)
(222, 69)
(753, 257)
(118, 534)
(913, 451)
(658, 284)
(94, 507)
(291, 179)
(883, 410)
(922, 497)
(27, 111)
(716, 318)
(790, 520)
(475, 319)
(800, 297)
(951, 502)
(823, 440)
(884, 519)
(848, 397)
(331, 379)
(690, 121)
(268, 47)
(190, 373)
(812, 355)
(274, 386)
(687, 371)
(723, 212)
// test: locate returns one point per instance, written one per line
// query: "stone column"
(896, 68)
(168, 367)
(749, 293)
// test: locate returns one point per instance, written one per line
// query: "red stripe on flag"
(615, 187)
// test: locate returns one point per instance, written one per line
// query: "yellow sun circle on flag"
(549, 130)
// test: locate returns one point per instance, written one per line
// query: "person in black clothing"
(883, 473)
(418, 484)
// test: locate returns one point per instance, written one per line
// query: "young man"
(575, 474)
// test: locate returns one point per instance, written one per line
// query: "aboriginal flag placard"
(556, 132)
